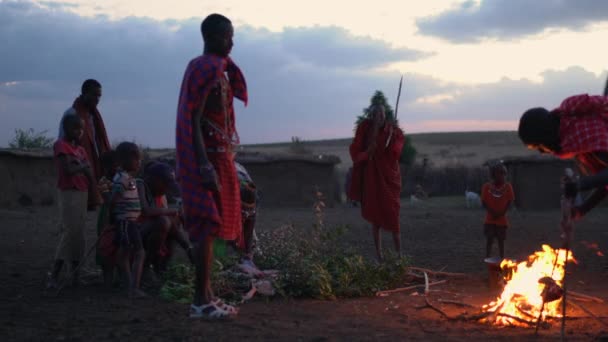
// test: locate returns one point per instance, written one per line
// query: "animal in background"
(472, 199)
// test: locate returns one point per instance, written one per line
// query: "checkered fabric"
(583, 125)
(207, 212)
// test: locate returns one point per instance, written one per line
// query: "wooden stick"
(515, 318)
(581, 295)
(591, 314)
(402, 289)
(454, 302)
(434, 308)
(426, 284)
(447, 274)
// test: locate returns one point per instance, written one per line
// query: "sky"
(311, 66)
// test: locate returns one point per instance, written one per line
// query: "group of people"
(136, 225)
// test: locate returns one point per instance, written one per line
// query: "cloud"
(47, 53)
(297, 87)
(473, 21)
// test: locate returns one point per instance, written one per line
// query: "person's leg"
(397, 242)
(487, 229)
(501, 236)
(139, 254)
(377, 242)
(203, 262)
(248, 227)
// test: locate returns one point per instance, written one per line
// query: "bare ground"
(437, 234)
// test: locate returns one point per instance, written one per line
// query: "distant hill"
(468, 148)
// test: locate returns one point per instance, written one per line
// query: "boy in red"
(496, 197)
(74, 182)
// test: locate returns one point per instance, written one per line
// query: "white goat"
(472, 199)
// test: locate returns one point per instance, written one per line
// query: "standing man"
(577, 129)
(205, 137)
(95, 139)
(376, 177)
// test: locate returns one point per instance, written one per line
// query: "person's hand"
(104, 185)
(210, 179)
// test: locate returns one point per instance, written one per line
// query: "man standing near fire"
(577, 129)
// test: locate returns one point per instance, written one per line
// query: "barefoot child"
(496, 197)
(125, 210)
(74, 182)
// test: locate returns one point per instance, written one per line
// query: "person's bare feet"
(137, 294)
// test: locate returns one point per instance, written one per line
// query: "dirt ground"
(439, 234)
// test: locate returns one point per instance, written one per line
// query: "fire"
(522, 294)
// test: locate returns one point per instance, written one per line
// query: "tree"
(408, 153)
(27, 139)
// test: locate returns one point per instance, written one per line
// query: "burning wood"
(530, 284)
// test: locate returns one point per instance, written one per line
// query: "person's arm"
(396, 143)
(591, 202)
(600, 179)
(358, 152)
(72, 166)
(206, 169)
(149, 211)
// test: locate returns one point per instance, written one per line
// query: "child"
(106, 249)
(160, 224)
(125, 210)
(74, 182)
(496, 197)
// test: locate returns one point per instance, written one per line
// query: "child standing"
(496, 197)
(74, 182)
(125, 210)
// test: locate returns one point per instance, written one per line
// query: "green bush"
(26, 139)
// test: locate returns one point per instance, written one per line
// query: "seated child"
(125, 210)
(161, 225)
(74, 181)
(496, 198)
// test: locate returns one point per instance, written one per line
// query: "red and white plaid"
(583, 125)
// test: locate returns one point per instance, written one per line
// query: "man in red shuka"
(376, 177)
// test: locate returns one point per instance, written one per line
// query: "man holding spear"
(376, 177)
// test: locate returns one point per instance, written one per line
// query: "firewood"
(581, 295)
(402, 289)
(587, 311)
(454, 302)
(438, 273)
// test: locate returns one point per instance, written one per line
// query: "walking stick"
(81, 263)
(390, 135)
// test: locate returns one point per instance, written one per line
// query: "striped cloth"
(126, 206)
(207, 212)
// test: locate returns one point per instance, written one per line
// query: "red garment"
(70, 182)
(376, 182)
(583, 125)
(497, 198)
(208, 212)
(101, 138)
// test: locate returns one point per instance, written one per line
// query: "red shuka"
(376, 182)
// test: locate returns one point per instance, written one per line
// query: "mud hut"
(536, 181)
(28, 178)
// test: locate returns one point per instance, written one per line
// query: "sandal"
(209, 312)
(219, 303)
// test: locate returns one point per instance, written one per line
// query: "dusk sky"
(311, 65)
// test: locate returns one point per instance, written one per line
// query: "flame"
(521, 296)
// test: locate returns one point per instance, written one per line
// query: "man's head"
(539, 130)
(129, 156)
(73, 127)
(91, 93)
(217, 33)
(377, 114)
(160, 177)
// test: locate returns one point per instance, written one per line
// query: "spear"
(388, 141)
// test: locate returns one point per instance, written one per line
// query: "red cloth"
(583, 125)
(497, 198)
(70, 182)
(101, 138)
(207, 212)
(376, 183)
